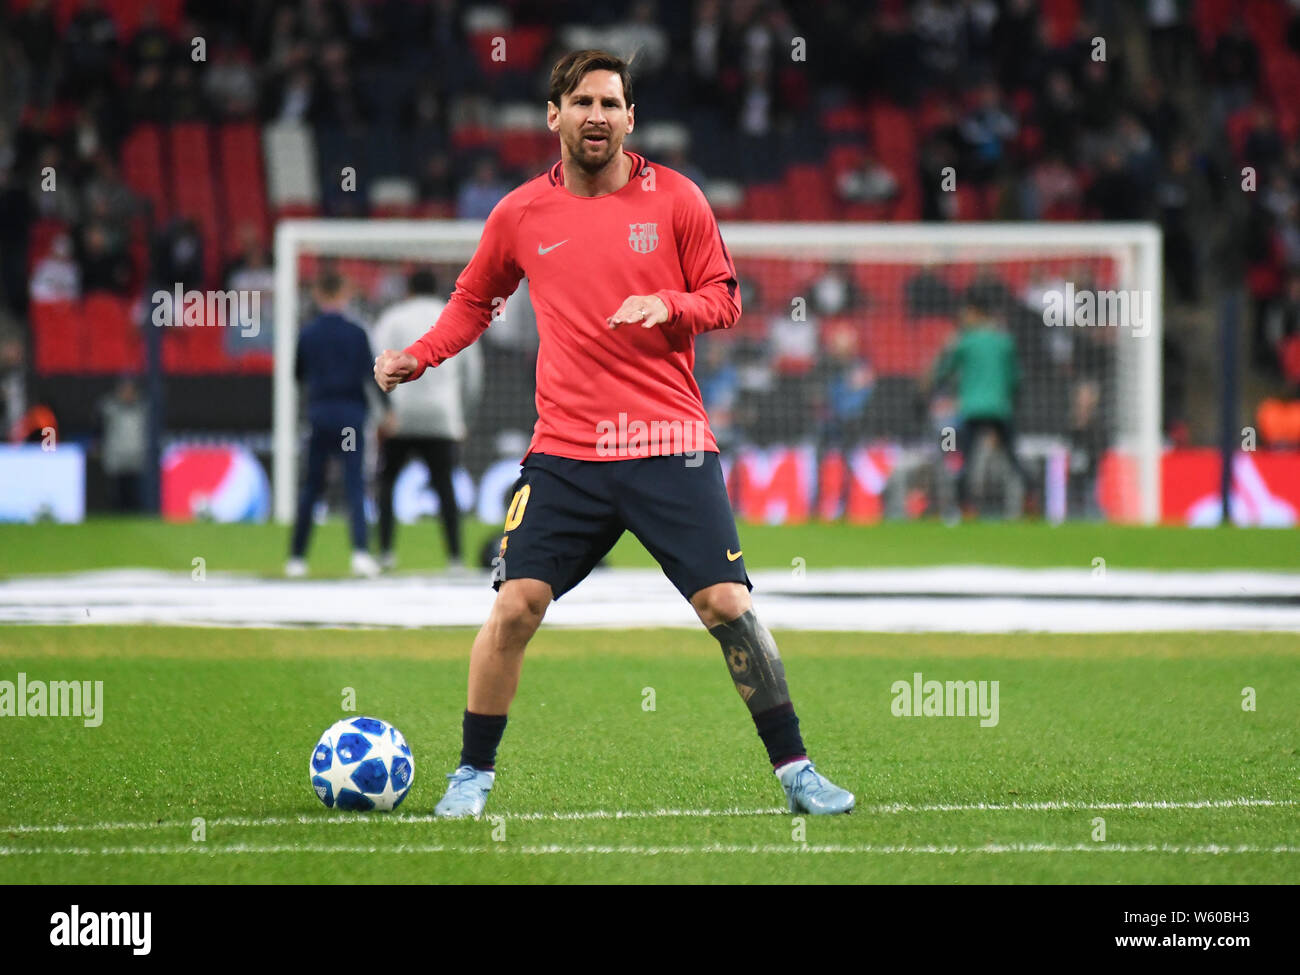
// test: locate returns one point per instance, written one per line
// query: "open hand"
(644, 310)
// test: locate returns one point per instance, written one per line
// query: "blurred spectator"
(294, 99)
(1088, 441)
(54, 193)
(1173, 44)
(640, 32)
(676, 159)
(1138, 149)
(124, 445)
(1115, 194)
(148, 100)
(1159, 114)
(1281, 322)
(792, 342)
(38, 39)
(151, 44)
(886, 57)
(178, 255)
(756, 103)
(926, 294)
(1058, 117)
(106, 195)
(15, 220)
(481, 192)
(1183, 202)
(847, 382)
(718, 378)
(1234, 69)
(867, 182)
(1263, 146)
(56, 277)
(1052, 191)
(252, 272)
(1017, 42)
(104, 265)
(940, 32)
(834, 293)
(13, 378)
(229, 84)
(424, 110)
(89, 45)
(184, 98)
(437, 182)
(985, 129)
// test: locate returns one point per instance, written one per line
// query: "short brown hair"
(329, 283)
(571, 69)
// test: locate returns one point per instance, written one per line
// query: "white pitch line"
(618, 814)
(798, 849)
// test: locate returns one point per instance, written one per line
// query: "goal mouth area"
(777, 262)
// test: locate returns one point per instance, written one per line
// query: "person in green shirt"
(983, 363)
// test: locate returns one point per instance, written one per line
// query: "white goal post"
(1132, 250)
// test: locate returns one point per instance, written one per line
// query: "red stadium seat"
(767, 201)
(1061, 20)
(808, 187)
(59, 337)
(142, 168)
(520, 49)
(113, 344)
(194, 189)
(40, 239)
(243, 185)
(1212, 18)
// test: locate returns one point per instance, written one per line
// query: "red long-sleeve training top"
(583, 256)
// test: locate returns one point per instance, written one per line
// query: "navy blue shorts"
(565, 515)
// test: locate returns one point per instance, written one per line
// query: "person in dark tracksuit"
(335, 363)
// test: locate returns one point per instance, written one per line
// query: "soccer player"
(982, 359)
(333, 360)
(625, 265)
(425, 420)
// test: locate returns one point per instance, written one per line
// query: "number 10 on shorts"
(517, 505)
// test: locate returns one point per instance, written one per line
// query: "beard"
(592, 159)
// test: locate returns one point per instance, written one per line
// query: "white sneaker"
(388, 561)
(295, 568)
(364, 564)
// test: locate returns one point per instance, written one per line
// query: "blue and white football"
(362, 764)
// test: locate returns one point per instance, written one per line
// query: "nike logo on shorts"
(732, 558)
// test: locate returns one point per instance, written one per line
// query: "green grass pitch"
(148, 543)
(218, 724)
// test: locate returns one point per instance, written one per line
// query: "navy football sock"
(779, 729)
(480, 736)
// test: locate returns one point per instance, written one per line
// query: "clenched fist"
(392, 368)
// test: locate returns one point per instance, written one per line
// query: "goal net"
(828, 398)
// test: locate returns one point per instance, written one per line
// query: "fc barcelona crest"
(643, 237)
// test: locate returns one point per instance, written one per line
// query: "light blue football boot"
(808, 792)
(466, 794)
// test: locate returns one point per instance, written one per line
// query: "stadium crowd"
(1174, 111)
